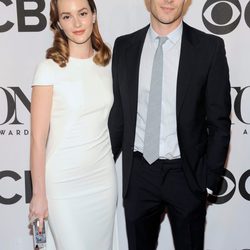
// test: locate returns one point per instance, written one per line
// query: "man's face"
(166, 11)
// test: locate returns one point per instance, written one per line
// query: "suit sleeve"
(218, 106)
(115, 122)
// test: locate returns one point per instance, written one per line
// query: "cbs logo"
(222, 17)
(228, 188)
(12, 177)
(25, 14)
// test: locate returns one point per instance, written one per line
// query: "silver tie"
(152, 131)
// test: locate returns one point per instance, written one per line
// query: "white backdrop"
(24, 37)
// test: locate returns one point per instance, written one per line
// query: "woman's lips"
(78, 32)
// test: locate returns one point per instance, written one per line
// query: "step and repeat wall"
(24, 38)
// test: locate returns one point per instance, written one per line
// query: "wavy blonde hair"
(59, 52)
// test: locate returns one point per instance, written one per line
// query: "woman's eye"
(65, 17)
(84, 13)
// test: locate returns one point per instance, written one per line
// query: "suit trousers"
(158, 189)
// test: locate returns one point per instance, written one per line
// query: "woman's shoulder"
(46, 72)
(48, 64)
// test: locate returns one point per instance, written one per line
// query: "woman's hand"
(38, 209)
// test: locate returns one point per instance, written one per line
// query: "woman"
(73, 175)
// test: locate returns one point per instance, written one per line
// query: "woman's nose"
(77, 22)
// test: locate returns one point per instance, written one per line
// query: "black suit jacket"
(203, 105)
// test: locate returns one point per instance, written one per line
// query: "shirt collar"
(173, 36)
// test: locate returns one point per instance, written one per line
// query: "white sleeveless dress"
(80, 175)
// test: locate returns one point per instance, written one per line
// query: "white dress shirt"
(169, 147)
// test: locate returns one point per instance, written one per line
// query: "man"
(170, 120)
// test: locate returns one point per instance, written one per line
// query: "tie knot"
(162, 40)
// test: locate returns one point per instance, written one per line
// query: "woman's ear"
(59, 25)
(94, 18)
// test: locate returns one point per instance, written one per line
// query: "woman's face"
(76, 19)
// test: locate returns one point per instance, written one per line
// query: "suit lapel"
(186, 67)
(133, 56)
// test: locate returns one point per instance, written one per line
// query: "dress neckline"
(76, 59)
